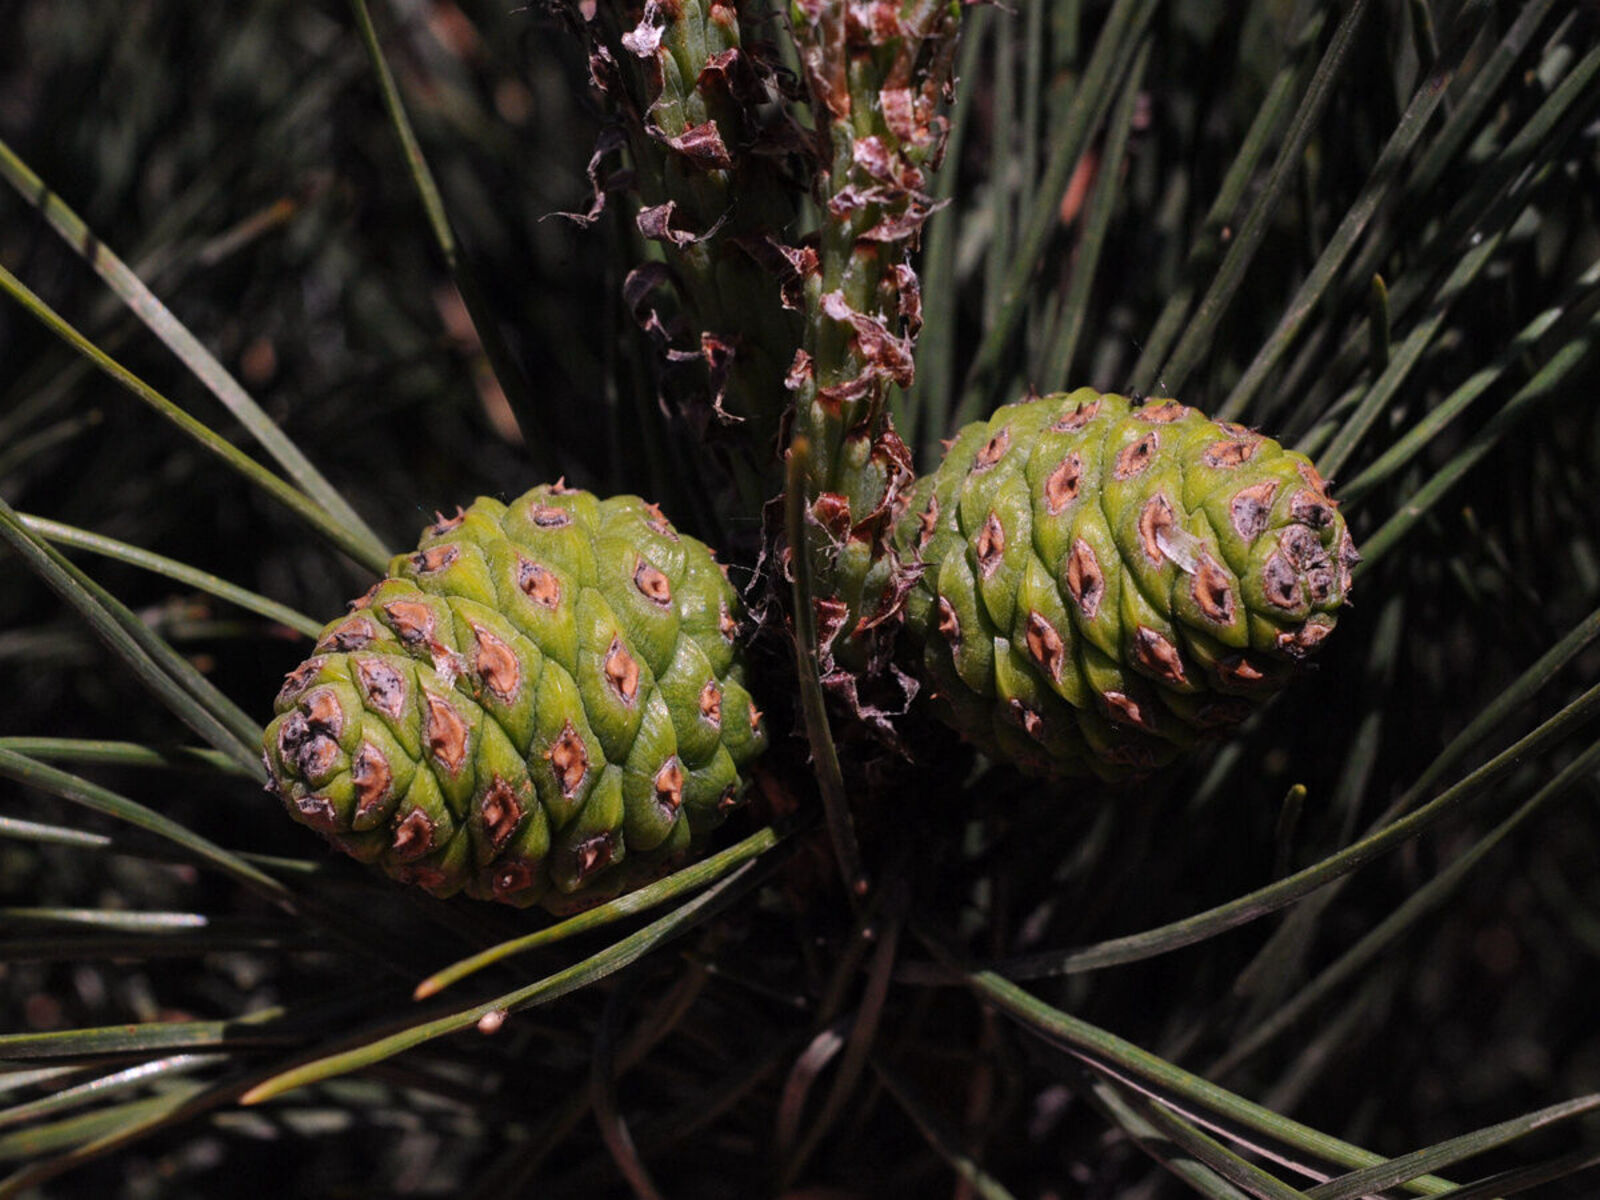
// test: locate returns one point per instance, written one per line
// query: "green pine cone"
(1104, 582)
(545, 704)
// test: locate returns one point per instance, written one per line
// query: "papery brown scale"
(434, 558)
(1084, 578)
(354, 634)
(385, 687)
(1212, 591)
(413, 835)
(447, 732)
(497, 665)
(324, 712)
(1045, 646)
(538, 584)
(622, 672)
(569, 759)
(501, 811)
(1250, 508)
(1158, 655)
(703, 146)
(1061, 486)
(371, 778)
(831, 510)
(1155, 522)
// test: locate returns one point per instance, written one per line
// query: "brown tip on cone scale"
(622, 672)
(1077, 418)
(570, 760)
(928, 521)
(323, 712)
(317, 812)
(592, 854)
(354, 633)
(434, 558)
(1061, 488)
(1136, 456)
(447, 733)
(496, 665)
(1085, 581)
(413, 835)
(1280, 583)
(412, 621)
(1240, 671)
(371, 779)
(991, 545)
(1212, 591)
(501, 812)
(1125, 709)
(1164, 413)
(711, 704)
(547, 516)
(443, 524)
(669, 785)
(653, 585)
(1045, 646)
(1155, 521)
(1227, 455)
(297, 680)
(385, 687)
(992, 451)
(538, 583)
(657, 521)
(365, 599)
(1251, 507)
(1158, 656)
(511, 876)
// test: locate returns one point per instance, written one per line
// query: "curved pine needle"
(1202, 326)
(82, 539)
(125, 754)
(1426, 899)
(1541, 387)
(506, 371)
(1206, 1149)
(201, 362)
(1123, 28)
(680, 883)
(1274, 896)
(1415, 440)
(597, 966)
(169, 676)
(1383, 180)
(1203, 1102)
(1142, 1131)
(1396, 1171)
(336, 532)
(77, 790)
(1207, 246)
(1062, 346)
